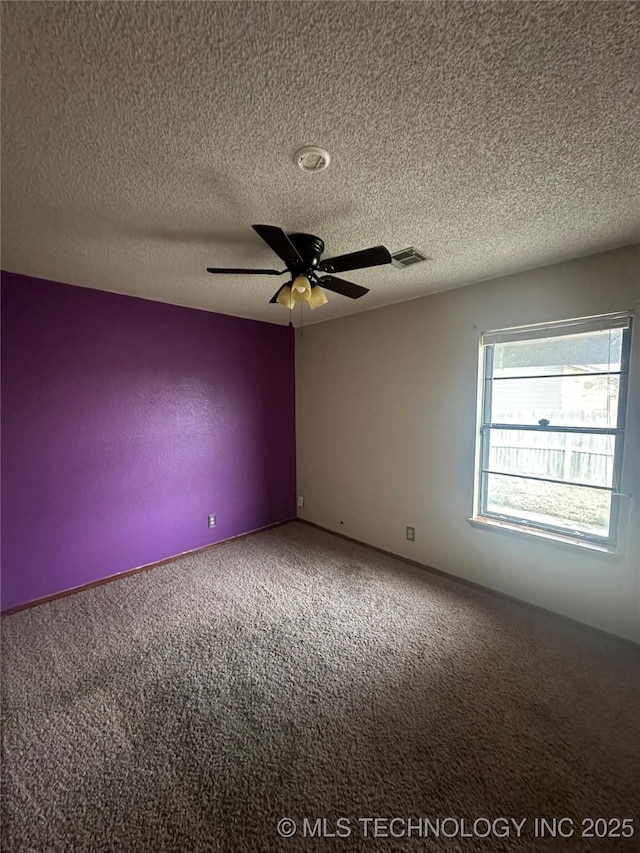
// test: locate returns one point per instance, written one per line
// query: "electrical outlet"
(411, 534)
(300, 500)
(211, 520)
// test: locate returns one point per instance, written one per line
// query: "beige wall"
(386, 431)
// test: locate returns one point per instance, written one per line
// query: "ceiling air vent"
(408, 257)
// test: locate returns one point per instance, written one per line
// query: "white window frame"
(488, 340)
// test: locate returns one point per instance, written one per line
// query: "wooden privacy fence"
(575, 457)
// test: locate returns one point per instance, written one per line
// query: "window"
(552, 426)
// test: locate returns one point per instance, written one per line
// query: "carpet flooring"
(294, 675)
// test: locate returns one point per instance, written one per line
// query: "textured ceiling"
(141, 140)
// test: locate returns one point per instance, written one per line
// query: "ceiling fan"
(301, 253)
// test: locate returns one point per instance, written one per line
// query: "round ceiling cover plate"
(311, 158)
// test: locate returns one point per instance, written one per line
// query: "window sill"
(555, 539)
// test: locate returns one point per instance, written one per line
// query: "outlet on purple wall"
(125, 424)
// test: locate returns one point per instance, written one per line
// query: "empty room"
(320, 393)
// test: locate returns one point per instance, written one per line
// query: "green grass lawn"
(564, 504)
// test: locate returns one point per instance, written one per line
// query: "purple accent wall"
(124, 423)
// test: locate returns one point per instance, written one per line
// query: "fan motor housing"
(310, 249)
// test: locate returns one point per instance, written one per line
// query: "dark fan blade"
(231, 271)
(276, 239)
(357, 260)
(274, 298)
(345, 288)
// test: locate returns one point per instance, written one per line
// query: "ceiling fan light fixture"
(301, 254)
(285, 297)
(301, 289)
(317, 297)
